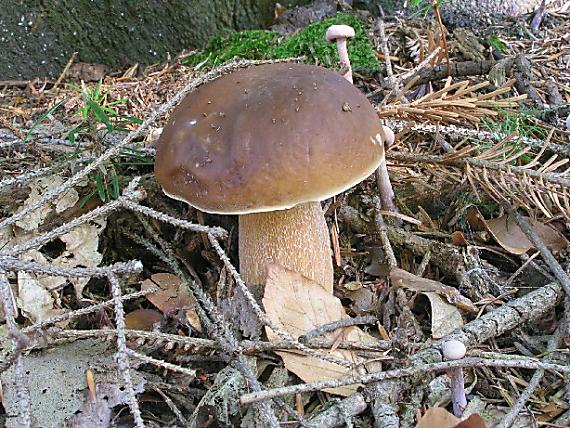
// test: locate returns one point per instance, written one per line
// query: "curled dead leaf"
(458, 238)
(404, 279)
(445, 318)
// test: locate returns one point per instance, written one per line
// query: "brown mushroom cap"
(268, 138)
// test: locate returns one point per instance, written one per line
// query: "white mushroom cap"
(339, 32)
(453, 350)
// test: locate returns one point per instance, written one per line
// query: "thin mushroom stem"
(385, 190)
(334, 33)
(455, 350)
(458, 397)
(344, 60)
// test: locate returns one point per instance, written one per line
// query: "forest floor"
(100, 270)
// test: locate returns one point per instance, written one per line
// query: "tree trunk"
(38, 37)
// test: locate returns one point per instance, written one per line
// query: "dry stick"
(122, 351)
(526, 363)
(458, 69)
(199, 345)
(65, 70)
(335, 415)
(386, 52)
(162, 364)
(21, 393)
(116, 149)
(213, 321)
(408, 76)
(23, 178)
(480, 163)
(382, 231)
(218, 232)
(443, 36)
(459, 132)
(172, 407)
(383, 184)
(510, 417)
(129, 193)
(120, 268)
(84, 311)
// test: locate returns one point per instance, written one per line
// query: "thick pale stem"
(344, 61)
(297, 239)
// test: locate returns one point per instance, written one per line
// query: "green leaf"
(498, 44)
(100, 115)
(100, 186)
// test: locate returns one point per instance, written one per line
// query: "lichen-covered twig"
(83, 311)
(218, 232)
(335, 325)
(21, 392)
(120, 268)
(459, 132)
(524, 363)
(198, 345)
(122, 351)
(161, 364)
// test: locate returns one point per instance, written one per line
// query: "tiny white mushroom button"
(453, 350)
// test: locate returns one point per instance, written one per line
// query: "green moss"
(249, 44)
(310, 43)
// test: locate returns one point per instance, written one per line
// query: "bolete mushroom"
(268, 143)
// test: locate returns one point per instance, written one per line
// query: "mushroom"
(268, 143)
(339, 34)
(455, 350)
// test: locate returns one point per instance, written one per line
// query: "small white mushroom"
(339, 34)
(455, 350)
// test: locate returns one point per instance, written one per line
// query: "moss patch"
(310, 43)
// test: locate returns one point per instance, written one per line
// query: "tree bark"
(38, 37)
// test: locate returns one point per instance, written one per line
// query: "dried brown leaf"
(172, 296)
(34, 300)
(297, 305)
(143, 319)
(445, 317)
(510, 236)
(438, 417)
(402, 278)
